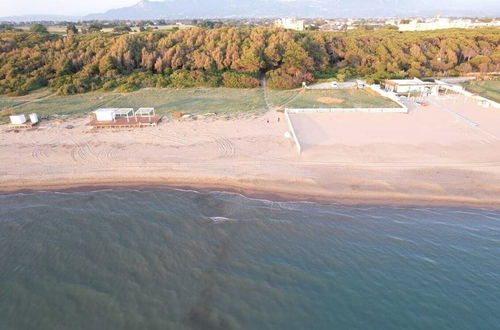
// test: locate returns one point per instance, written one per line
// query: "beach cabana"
(145, 112)
(121, 118)
(34, 118)
(125, 112)
(17, 119)
(20, 121)
(105, 114)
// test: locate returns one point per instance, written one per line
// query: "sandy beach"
(428, 157)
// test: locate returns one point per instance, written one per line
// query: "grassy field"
(222, 101)
(488, 89)
(332, 98)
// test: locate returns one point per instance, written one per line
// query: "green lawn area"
(223, 101)
(488, 89)
(331, 98)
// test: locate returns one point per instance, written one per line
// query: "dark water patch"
(173, 259)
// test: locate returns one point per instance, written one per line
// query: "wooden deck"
(25, 125)
(122, 122)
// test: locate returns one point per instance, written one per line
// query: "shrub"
(281, 79)
(239, 80)
(127, 88)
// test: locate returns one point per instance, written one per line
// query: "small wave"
(427, 260)
(220, 219)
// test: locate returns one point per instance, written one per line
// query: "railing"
(292, 130)
(375, 110)
(460, 90)
(392, 96)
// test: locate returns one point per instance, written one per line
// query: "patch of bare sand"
(329, 100)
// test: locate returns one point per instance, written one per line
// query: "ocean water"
(172, 259)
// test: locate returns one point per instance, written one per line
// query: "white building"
(411, 86)
(442, 23)
(290, 23)
(107, 114)
(17, 119)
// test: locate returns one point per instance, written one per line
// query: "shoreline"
(252, 191)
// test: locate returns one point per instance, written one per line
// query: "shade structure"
(125, 112)
(145, 112)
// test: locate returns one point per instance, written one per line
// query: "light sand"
(428, 157)
(329, 100)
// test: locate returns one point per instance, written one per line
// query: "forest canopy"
(235, 57)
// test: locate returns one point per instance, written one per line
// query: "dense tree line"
(235, 57)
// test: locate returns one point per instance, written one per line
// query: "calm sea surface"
(170, 259)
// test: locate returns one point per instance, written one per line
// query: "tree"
(234, 57)
(38, 28)
(95, 27)
(296, 57)
(71, 29)
(122, 29)
(6, 27)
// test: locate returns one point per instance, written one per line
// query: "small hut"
(18, 119)
(105, 114)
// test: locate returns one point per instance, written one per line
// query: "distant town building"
(290, 23)
(441, 23)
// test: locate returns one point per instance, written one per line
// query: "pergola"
(125, 112)
(145, 112)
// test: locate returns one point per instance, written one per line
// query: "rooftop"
(409, 82)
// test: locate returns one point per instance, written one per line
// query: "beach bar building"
(124, 118)
(411, 86)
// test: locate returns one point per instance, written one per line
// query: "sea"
(181, 259)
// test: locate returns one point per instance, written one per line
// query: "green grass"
(353, 98)
(7, 101)
(223, 101)
(488, 89)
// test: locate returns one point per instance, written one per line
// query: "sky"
(84, 7)
(59, 7)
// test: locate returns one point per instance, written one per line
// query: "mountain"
(176, 9)
(172, 9)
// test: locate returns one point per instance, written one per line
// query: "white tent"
(34, 118)
(105, 114)
(17, 119)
